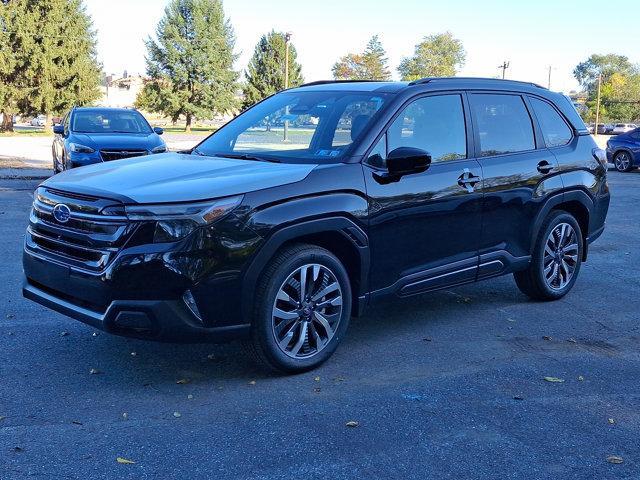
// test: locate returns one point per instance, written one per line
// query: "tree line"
(619, 87)
(48, 64)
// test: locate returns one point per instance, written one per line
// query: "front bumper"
(160, 320)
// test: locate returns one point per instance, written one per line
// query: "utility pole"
(549, 79)
(504, 67)
(595, 127)
(287, 39)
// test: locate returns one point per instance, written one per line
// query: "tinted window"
(378, 156)
(503, 123)
(435, 124)
(353, 121)
(554, 128)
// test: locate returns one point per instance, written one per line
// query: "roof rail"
(422, 81)
(323, 82)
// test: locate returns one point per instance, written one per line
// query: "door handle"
(544, 167)
(468, 180)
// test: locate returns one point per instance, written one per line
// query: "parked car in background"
(435, 183)
(605, 128)
(90, 135)
(624, 150)
(623, 128)
(39, 121)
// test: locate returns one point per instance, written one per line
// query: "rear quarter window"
(555, 130)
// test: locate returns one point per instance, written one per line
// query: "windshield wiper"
(197, 152)
(246, 156)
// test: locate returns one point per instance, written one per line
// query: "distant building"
(120, 91)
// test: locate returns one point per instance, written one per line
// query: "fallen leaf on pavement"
(190, 397)
(94, 371)
(317, 379)
(580, 378)
(554, 379)
(124, 461)
(614, 459)
(612, 421)
(352, 423)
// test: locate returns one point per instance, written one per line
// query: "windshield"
(109, 121)
(297, 127)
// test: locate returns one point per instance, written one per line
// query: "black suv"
(316, 202)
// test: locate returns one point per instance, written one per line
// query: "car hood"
(174, 177)
(117, 141)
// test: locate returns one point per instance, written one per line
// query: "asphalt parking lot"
(447, 385)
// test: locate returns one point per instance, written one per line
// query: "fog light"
(190, 302)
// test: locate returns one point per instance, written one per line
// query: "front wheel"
(622, 162)
(556, 259)
(302, 310)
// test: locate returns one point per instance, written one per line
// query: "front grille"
(108, 155)
(88, 240)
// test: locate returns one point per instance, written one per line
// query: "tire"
(288, 336)
(623, 161)
(561, 261)
(55, 161)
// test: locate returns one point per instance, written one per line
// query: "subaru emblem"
(61, 213)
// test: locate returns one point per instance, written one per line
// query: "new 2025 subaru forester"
(319, 201)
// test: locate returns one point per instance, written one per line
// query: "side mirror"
(406, 160)
(158, 130)
(58, 129)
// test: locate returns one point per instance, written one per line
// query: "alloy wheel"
(560, 256)
(307, 311)
(623, 161)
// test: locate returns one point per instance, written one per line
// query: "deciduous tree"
(438, 55)
(372, 64)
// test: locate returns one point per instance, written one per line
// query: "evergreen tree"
(54, 62)
(375, 60)
(372, 64)
(436, 56)
(191, 63)
(266, 70)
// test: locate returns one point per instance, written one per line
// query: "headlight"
(176, 221)
(159, 149)
(77, 148)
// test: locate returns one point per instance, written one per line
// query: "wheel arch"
(575, 202)
(339, 235)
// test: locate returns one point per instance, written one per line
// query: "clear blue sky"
(531, 35)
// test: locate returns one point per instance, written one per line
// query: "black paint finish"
(450, 223)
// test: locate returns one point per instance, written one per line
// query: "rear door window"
(555, 130)
(503, 124)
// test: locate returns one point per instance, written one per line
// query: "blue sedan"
(624, 150)
(92, 135)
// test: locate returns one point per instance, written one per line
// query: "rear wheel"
(622, 161)
(556, 259)
(302, 310)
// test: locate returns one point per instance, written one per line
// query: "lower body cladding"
(160, 295)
